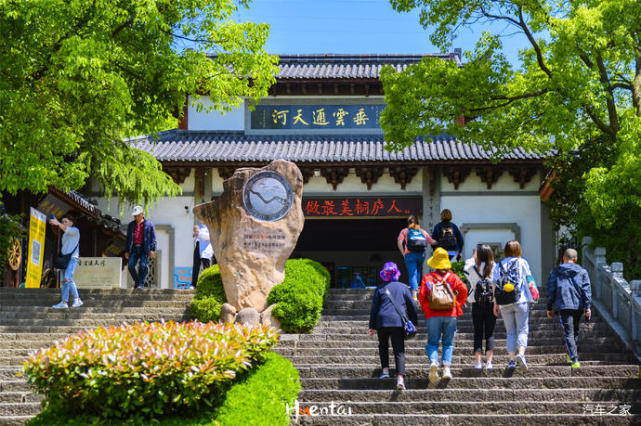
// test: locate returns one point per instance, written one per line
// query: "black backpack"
(483, 289)
(509, 275)
(448, 239)
(416, 241)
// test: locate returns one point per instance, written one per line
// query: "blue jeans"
(69, 285)
(437, 327)
(414, 264)
(515, 318)
(138, 254)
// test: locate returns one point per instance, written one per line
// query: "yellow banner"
(37, 227)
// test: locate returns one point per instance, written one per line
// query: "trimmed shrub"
(146, 369)
(209, 297)
(263, 397)
(299, 298)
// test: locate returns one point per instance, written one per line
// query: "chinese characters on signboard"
(98, 272)
(316, 117)
(263, 241)
(362, 206)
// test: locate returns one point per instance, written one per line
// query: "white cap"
(137, 210)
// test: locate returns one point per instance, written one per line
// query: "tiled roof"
(328, 66)
(184, 146)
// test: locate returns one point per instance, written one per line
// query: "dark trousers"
(570, 319)
(398, 345)
(484, 322)
(138, 254)
(199, 264)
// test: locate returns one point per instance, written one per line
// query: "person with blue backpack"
(569, 292)
(514, 290)
(412, 243)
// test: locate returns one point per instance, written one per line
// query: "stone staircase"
(339, 369)
(27, 323)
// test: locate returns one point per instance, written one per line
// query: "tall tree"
(578, 80)
(78, 77)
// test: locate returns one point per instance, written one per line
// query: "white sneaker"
(400, 384)
(488, 366)
(434, 372)
(77, 303)
(520, 360)
(61, 305)
(478, 366)
(447, 374)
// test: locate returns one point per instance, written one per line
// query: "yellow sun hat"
(440, 259)
(508, 287)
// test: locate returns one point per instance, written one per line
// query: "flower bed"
(154, 369)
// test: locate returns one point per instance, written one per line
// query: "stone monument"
(254, 226)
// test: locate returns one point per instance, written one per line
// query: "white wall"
(522, 210)
(353, 184)
(214, 120)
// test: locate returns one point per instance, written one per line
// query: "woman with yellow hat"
(441, 296)
(514, 290)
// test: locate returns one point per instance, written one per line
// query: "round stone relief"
(267, 195)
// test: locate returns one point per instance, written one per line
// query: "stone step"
(468, 361)
(15, 385)
(12, 346)
(468, 326)
(42, 329)
(87, 322)
(115, 305)
(346, 343)
(422, 370)
(24, 337)
(468, 407)
(363, 315)
(464, 355)
(463, 321)
(19, 408)
(14, 420)
(19, 397)
(535, 395)
(65, 314)
(572, 419)
(469, 383)
(346, 304)
(463, 333)
(33, 311)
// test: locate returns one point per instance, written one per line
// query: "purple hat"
(390, 272)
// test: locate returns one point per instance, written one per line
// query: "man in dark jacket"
(569, 292)
(141, 245)
(387, 323)
(447, 236)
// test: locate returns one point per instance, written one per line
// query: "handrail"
(618, 301)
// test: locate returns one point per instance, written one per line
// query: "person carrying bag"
(390, 319)
(442, 296)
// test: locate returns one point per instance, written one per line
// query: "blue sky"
(351, 26)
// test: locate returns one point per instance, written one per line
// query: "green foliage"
(147, 370)
(78, 78)
(210, 295)
(457, 268)
(577, 89)
(259, 398)
(262, 398)
(299, 298)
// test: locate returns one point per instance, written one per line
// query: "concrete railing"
(618, 301)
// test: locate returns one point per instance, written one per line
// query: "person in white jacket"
(479, 271)
(203, 252)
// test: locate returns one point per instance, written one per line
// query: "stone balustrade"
(616, 299)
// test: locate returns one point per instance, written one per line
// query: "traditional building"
(323, 114)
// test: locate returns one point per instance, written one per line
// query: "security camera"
(187, 209)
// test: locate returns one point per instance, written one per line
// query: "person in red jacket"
(441, 321)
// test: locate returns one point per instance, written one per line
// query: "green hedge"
(299, 298)
(146, 369)
(209, 297)
(263, 397)
(260, 398)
